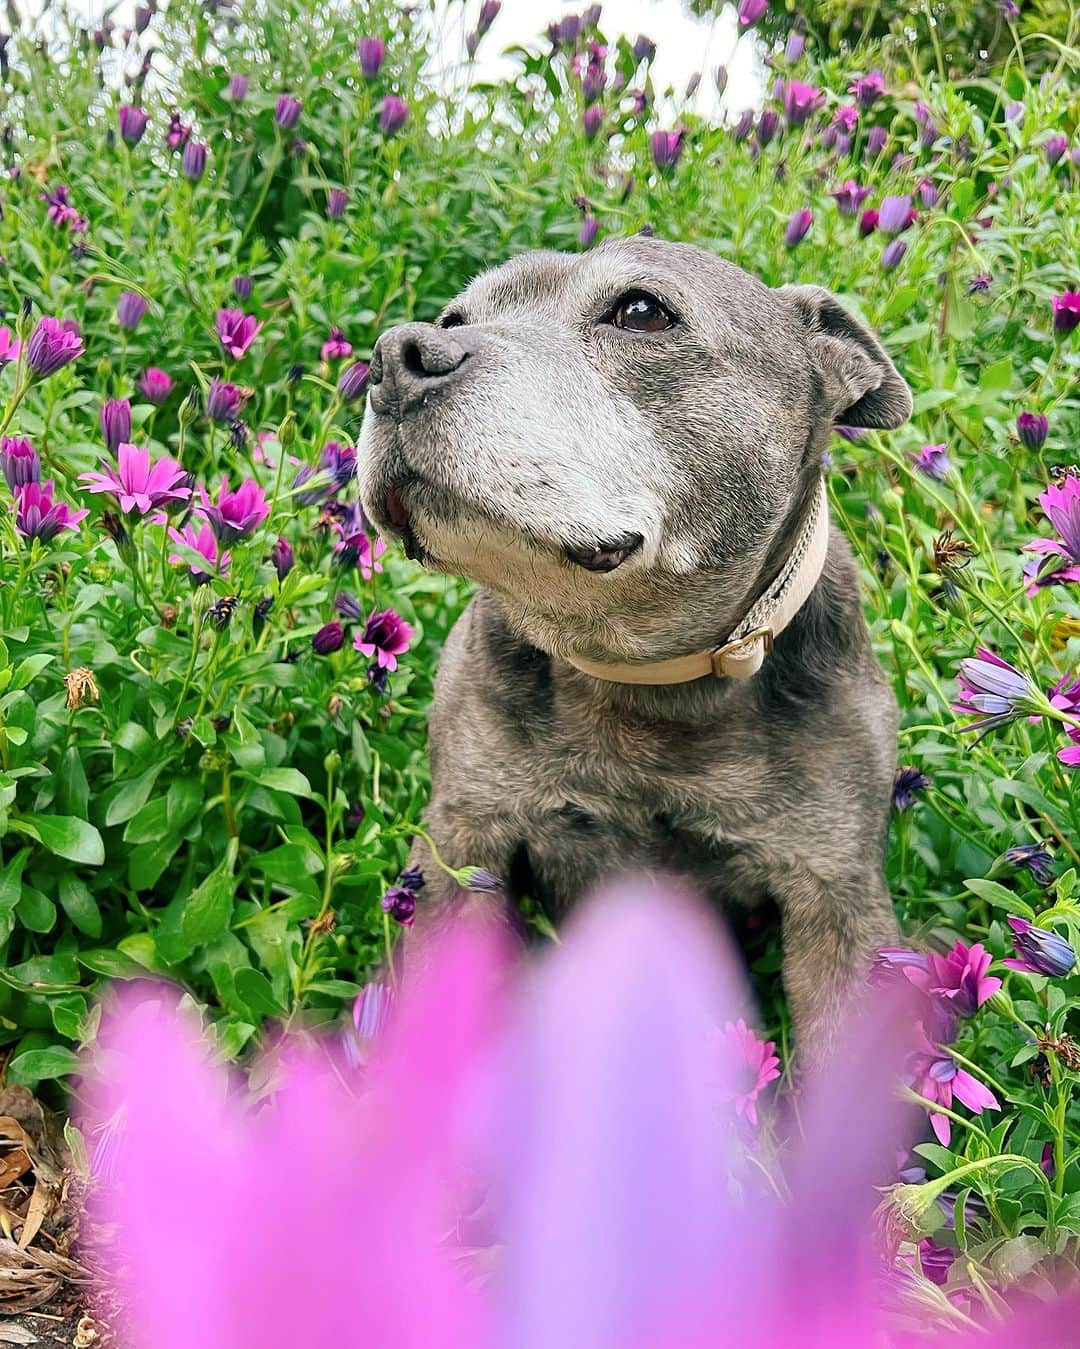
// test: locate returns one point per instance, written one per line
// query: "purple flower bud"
(795, 46)
(395, 112)
(750, 11)
(115, 423)
(590, 228)
(868, 88)
(222, 401)
(1010, 9)
(1032, 857)
(798, 226)
(1054, 147)
(1015, 113)
(330, 637)
(287, 112)
(155, 385)
(143, 14)
(906, 783)
(767, 127)
(876, 140)
(980, 283)
(894, 214)
(742, 127)
(592, 119)
(400, 904)
(283, 558)
(238, 88)
(1032, 428)
(336, 201)
(130, 310)
(1039, 950)
(348, 606)
(928, 193)
(721, 78)
(1066, 310)
(489, 12)
(893, 254)
(133, 122)
(242, 287)
(20, 462)
(194, 160)
(371, 51)
(868, 221)
(666, 148)
(644, 48)
(932, 460)
(353, 380)
(52, 345)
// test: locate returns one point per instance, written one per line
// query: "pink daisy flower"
(743, 1065)
(137, 483)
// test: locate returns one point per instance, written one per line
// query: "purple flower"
(371, 51)
(237, 515)
(935, 1075)
(200, 538)
(907, 782)
(928, 193)
(1010, 9)
(750, 11)
(798, 226)
(794, 47)
(1032, 428)
(933, 461)
(1039, 951)
(20, 462)
(52, 345)
(37, 516)
(925, 119)
(283, 558)
(336, 346)
(400, 904)
(592, 119)
(743, 126)
(222, 401)
(9, 347)
(800, 100)
(876, 141)
(1061, 504)
(1066, 310)
(61, 214)
(287, 112)
(935, 1261)
(348, 606)
(867, 89)
(868, 221)
(131, 309)
(237, 88)
(994, 690)
(1032, 857)
(395, 112)
(155, 385)
(590, 228)
(386, 635)
(960, 978)
(236, 331)
(1054, 147)
(177, 135)
(336, 201)
(644, 49)
(767, 127)
(370, 1016)
(850, 197)
(1015, 113)
(353, 380)
(892, 255)
(720, 75)
(330, 637)
(194, 160)
(666, 147)
(133, 123)
(340, 462)
(115, 419)
(894, 214)
(139, 485)
(980, 283)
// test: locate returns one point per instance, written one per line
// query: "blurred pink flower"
(198, 535)
(742, 1066)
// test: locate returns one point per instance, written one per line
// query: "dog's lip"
(605, 557)
(394, 507)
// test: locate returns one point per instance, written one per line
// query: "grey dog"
(621, 448)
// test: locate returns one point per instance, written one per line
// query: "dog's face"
(613, 441)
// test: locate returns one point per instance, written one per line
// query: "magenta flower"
(666, 147)
(1039, 950)
(395, 113)
(750, 11)
(354, 549)
(131, 309)
(20, 462)
(868, 221)
(933, 461)
(133, 123)
(336, 345)
(1061, 503)
(61, 213)
(868, 89)
(996, 691)
(198, 535)
(236, 331)
(9, 347)
(371, 51)
(287, 112)
(155, 385)
(800, 100)
(1032, 428)
(138, 484)
(237, 515)
(798, 226)
(1066, 310)
(961, 978)
(52, 345)
(850, 197)
(742, 1066)
(176, 134)
(38, 516)
(222, 401)
(934, 1074)
(386, 635)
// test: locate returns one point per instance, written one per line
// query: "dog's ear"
(862, 386)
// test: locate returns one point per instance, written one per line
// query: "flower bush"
(213, 678)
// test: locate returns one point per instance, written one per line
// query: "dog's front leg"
(832, 926)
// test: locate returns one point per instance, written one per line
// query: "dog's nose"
(412, 362)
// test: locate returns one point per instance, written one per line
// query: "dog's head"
(615, 442)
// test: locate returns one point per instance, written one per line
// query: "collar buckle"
(719, 654)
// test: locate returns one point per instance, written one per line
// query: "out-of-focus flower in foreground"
(798, 226)
(394, 115)
(133, 122)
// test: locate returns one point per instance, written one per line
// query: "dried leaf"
(12, 1334)
(14, 1165)
(36, 1211)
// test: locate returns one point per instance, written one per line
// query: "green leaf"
(78, 902)
(999, 897)
(66, 836)
(72, 789)
(29, 669)
(208, 908)
(35, 1065)
(112, 964)
(254, 990)
(289, 780)
(132, 796)
(941, 1157)
(36, 911)
(11, 880)
(997, 377)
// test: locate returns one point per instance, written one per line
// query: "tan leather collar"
(744, 652)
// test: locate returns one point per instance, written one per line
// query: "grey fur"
(537, 426)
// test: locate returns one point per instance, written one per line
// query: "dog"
(666, 665)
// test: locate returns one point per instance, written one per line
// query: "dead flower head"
(950, 554)
(81, 688)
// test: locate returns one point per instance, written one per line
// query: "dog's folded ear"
(861, 385)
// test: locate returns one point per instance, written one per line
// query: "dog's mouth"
(397, 513)
(605, 556)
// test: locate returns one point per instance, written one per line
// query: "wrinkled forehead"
(703, 290)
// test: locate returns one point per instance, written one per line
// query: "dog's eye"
(452, 320)
(640, 312)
